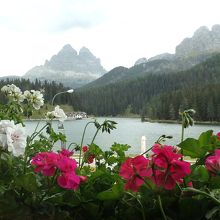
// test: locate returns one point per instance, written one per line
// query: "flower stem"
(80, 151)
(182, 136)
(161, 208)
(142, 208)
(36, 133)
(95, 135)
(203, 193)
(182, 133)
(147, 150)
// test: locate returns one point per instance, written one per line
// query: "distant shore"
(179, 122)
(143, 120)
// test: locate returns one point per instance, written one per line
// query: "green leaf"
(118, 148)
(205, 138)
(111, 160)
(215, 182)
(200, 174)
(28, 181)
(111, 194)
(95, 149)
(2, 189)
(6, 157)
(191, 147)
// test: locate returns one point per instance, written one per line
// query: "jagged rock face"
(68, 59)
(69, 67)
(140, 61)
(203, 41)
(163, 56)
(191, 51)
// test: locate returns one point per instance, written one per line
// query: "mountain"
(69, 67)
(191, 51)
(141, 60)
(203, 41)
(124, 74)
(158, 96)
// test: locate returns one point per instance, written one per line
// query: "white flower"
(14, 92)
(58, 113)
(10, 89)
(12, 137)
(35, 98)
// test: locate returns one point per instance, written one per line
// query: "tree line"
(158, 96)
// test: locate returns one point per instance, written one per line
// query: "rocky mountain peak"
(85, 52)
(191, 51)
(203, 30)
(140, 61)
(203, 41)
(69, 67)
(216, 29)
(67, 49)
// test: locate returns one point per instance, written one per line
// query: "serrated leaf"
(205, 138)
(112, 160)
(28, 181)
(191, 147)
(200, 174)
(111, 194)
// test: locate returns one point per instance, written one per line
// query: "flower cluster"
(134, 170)
(50, 164)
(13, 92)
(58, 113)
(12, 137)
(164, 168)
(212, 163)
(167, 167)
(35, 98)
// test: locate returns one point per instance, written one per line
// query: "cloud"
(50, 16)
(83, 15)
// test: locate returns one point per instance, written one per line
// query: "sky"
(119, 32)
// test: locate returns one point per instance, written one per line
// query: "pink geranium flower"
(163, 155)
(45, 163)
(212, 163)
(49, 162)
(66, 152)
(134, 170)
(68, 181)
(167, 168)
(218, 135)
(66, 164)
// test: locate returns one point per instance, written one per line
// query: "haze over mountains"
(76, 69)
(191, 51)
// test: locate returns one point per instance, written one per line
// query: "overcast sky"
(117, 31)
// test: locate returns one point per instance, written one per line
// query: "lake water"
(129, 131)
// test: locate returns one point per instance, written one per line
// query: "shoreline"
(179, 122)
(217, 123)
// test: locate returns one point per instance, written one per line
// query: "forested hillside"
(159, 96)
